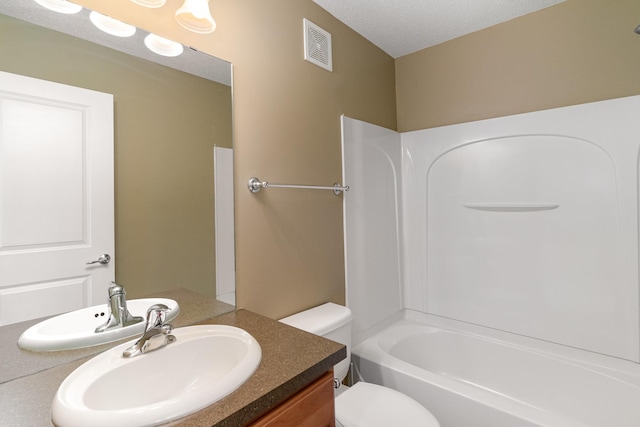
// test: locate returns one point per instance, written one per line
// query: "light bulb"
(150, 3)
(111, 26)
(194, 15)
(60, 6)
(163, 46)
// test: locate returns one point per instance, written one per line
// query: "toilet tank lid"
(321, 319)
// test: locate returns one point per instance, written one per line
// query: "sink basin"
(76, 329)
(204, 364)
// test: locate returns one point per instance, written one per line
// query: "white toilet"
(363, 404)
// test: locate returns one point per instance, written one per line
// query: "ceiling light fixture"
(150, 3)
(60, 6)
(194, 15)
(111, 26)
(163, 46)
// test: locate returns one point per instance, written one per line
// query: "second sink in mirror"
(77, 328)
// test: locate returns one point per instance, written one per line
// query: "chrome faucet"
(119, 316)
(156, 334)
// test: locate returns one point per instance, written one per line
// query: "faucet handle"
(156, 315)
(116, 289)
(157, 334)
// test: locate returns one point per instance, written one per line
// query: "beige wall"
(286, 129)
(166, 125)
(290, 242)
(578, 51)
(286, 124)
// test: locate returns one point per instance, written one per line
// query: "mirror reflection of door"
(167, 122)
(56, 197)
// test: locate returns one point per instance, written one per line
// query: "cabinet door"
(311, 407)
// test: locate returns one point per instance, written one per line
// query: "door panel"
(56, 197)
(43, 191)
(34, 300)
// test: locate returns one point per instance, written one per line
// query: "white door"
(56, 197)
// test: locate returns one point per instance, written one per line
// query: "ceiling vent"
(317, 45)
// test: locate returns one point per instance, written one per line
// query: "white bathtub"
(469, 376)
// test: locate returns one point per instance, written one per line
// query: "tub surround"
(291, 359)
(525, 224)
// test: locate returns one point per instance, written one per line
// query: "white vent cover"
(317, 45)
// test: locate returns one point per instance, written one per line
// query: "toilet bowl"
(363, 404)
(372, 405)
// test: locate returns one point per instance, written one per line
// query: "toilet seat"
(373, 405)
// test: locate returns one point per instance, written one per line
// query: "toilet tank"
(331, 321)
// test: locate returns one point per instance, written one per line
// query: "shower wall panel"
(371, 168)
(529, 224)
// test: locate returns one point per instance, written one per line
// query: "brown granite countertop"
(291, 359)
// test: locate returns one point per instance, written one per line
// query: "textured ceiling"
(401, 27)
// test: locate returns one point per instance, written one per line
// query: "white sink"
(77, 328)
(203, 365)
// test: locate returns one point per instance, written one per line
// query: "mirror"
(169, 114)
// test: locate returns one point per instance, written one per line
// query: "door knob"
(102, 259)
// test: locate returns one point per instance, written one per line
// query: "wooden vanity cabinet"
(313, 406)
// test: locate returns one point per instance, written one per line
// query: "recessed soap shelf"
(512, 207)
